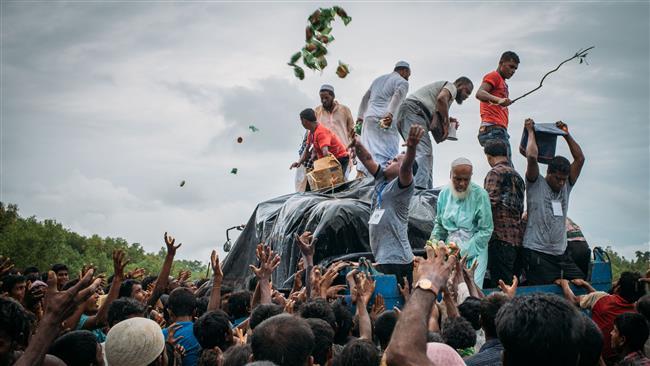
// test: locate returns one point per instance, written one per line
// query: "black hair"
(470, 309)
(629, 287)
(124, 308)
(323, 339)
(147, 281)
(59, 267)
(509, 56)
(318, 308)
(344, 322)
(359, 352)
(458, 333)
(30, 270)
(434, 337)
(209, 357)
(643, 306)
(591, 345)
(182, 302)
(69, 284)
(400, 68)
(15, 321)
(9, 281)
(308, 114)
(77, 348)
(384, 326)
(213, 329)
(126, 288)
(539, 329)
(239, 304)
(489, 308)
(495, 148)
(263, 312)
(559, 164)
(32, 277)
(237, 355)
(202, 305)
(464, 80)
(284, 339)
(634, 328)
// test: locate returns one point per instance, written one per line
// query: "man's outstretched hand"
(59, 305)
(510, 290)
(415, 134)
(169, 242)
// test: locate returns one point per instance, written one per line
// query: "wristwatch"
(425, 284)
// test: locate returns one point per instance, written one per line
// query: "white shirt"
(386, 93)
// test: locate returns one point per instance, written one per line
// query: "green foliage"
(621, 264)
(29, 242)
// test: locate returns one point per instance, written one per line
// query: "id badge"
(557, 208)
(376, 216)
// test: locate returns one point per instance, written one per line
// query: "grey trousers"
(409, 114)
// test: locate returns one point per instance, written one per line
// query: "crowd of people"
(334, 315)
(331, 316)
(487, 222)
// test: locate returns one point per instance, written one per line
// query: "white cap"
(460, 161)
(327, 87)
(134, 342)
(402, 64)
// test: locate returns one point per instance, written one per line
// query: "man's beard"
(459, 99)
(459, 195)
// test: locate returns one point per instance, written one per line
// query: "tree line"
(31, 242)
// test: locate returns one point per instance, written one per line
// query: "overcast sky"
(107, 107)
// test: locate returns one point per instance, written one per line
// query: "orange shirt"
(323, 137)
(491, 113)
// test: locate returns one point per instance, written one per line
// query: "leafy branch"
(580, 55)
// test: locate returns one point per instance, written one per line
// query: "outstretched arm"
(576, 152)
(119, 263)
(163, 277)
(364, 156)
(217, 277)
(442, 106)
(408, 345)
(532, 169)
(406, 169)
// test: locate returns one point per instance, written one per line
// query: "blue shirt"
(489, 355)
(98, 332)
(189, 342)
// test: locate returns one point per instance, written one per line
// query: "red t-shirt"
(494, 113)
(603, 314)
(323, 137)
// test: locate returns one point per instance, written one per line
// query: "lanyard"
(379, 193)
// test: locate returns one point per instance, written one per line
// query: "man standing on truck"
(464, 216)
(494, 96)
(378, 106)
(388, 224)
(545, 255)
(323, 140)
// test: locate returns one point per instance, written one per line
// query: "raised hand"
(415, 134)
(436, 268)
(562, 126)
(365, 288)
(60, 305)
(511, 290)
(137, 273)
(350, 278)
(217, 273)
(269, 261)
(405, 290)
(333, 291)
(119, 263)
(169, 242)
(5, 265)
(171, 332)
(240, 337)
(306, 244)
(378, 307)
(183, 276)
(529, 124)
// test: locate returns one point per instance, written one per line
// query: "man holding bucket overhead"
(545, 254)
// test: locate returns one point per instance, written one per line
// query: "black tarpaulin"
(337, 218)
